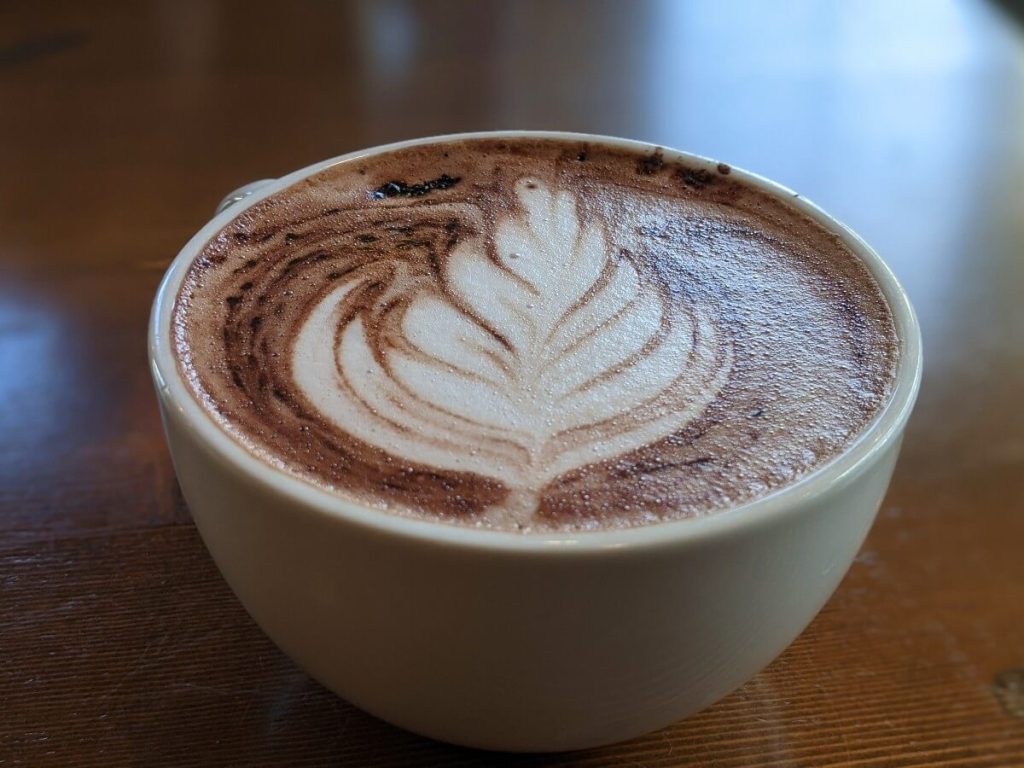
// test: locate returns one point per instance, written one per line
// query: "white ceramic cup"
(530, 642)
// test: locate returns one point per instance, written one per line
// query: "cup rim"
(883, 430)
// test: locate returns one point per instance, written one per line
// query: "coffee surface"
(534, 335)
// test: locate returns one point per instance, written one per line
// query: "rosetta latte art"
(540, 349)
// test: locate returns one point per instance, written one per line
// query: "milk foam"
(534, 335)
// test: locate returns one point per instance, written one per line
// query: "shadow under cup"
(537, 642)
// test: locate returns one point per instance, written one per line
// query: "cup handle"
(241, 193)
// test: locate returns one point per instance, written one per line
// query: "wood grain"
(122, 124)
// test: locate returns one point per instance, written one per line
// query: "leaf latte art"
(533, 335)
(538, 350)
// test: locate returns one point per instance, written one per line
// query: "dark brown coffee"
(534, 335)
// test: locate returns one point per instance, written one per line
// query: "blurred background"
(123, 123)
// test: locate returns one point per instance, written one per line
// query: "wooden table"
(122, 124)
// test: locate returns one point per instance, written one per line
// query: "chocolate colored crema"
(534, 335)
